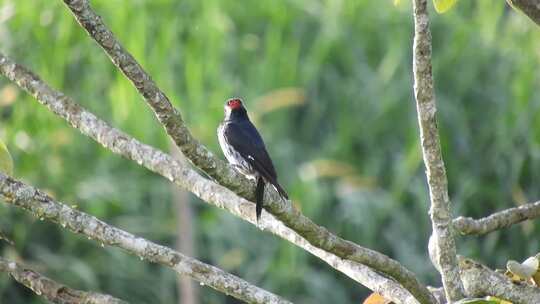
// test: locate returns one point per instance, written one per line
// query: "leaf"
(376, 298)
(441, 6)
(536, 276)
(477, 301)
(524, 270)
(536, 279)
(6, 162)
(532, 263)
(396, 2)
(497, 300)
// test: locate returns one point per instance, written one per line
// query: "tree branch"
(51, 290)
(480, 281)
(201, 157)
(496, 221)
(444, 252)
(185, 177)
(169, 117)
(43, 206)
(531, 8)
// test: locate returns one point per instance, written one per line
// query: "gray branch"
(51, 290)
(496, 221)
(443, 249)
(44, 207)
(201, 157)
(531, 8)
(185, 177)
(480, 281)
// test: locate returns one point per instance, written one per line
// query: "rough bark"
(44, 207)
(481, 281)
(51, 290)
(161, 163)
(442, 243)
(531, 8)
(496, 221)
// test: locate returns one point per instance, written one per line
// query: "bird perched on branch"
(244, 149)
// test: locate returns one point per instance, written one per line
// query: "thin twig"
(44, 207)
(442, 239)
(201, 157)
(51, 290)
(498, 220)
(185, 177)
(481, 281)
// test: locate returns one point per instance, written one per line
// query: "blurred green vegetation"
(330, 84)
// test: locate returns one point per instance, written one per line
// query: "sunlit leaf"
(524, 270)
(6, 162)
(497, 300)
(536, 279)
(280, 98)
(376, 298)
(441, 6)
(477, 301)
(8, 95)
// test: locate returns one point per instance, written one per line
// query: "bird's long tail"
(259, 197)
(280, 190)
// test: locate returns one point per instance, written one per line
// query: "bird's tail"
(259, 197)
(280, 189)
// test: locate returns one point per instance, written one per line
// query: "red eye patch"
(234, 103)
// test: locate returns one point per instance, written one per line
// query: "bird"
(244, 149)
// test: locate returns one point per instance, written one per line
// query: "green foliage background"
(330, 83)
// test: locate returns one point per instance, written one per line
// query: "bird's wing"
(245, 139)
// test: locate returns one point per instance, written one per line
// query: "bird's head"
(234, 106)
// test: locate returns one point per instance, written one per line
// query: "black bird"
(244, 149)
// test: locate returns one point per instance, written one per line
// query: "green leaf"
(6, 162)
(477, 301)
(441, 6)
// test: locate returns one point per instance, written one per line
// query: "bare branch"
(163, 164)
(43, 206)
(531, 8)
(169, 117)
(480, 281)
(201, 157)
(51, 290)
(444, 249)
(496, 221)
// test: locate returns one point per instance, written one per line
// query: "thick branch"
(496, 221)
(43, 206)
(51, 290)
(161, 163)
(531, 8)
(444, 249)
(202, 158)
(480, 281)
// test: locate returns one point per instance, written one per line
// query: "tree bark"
(496, 221)
(531, 8)
(442, 245)
(302, 227)
(44, 207)
(51, 290)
